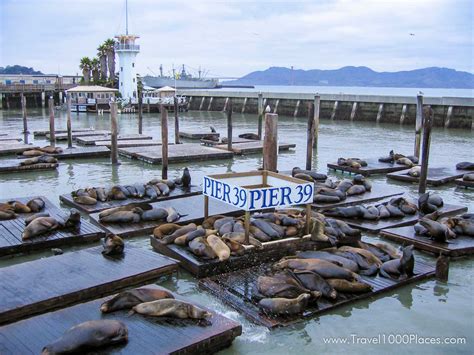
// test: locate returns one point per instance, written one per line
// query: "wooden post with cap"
(425, 152)
(229, 125)
(164, 142)
(140, 113)
(270, 142)
(310, 136)
(260, 115)
(176, 121)
(114, 134)
(52, 132)
(68, 121)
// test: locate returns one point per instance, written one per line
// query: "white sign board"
(238, 192)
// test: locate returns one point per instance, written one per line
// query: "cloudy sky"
(232, 38)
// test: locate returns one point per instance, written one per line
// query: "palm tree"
(86, 69)
(109, 44)
(95, 69)
(102, 54)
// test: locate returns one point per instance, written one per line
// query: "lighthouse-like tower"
(127, 51)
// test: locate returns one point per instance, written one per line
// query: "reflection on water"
(421, 308)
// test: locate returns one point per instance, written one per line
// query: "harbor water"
(400, 321)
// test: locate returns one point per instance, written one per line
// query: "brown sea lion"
(32, 153)
(235, 247)
(85, 200)
(186, 178)
(461, 226)
(171, 308)
(285, 306)
(208, 223)
(164, 189)
(173, 215)
(113, 245)
(240, 237)
(34, 216)
(116, 193)
(155, 214)
(356, 190)
(186, 238)
(36, 204)
(328, 256)
(437, 231)
(165, 229)
(39, 226)
(341, 285)
(399, 268)
(129, 207)
(51, 150)
(252, 136)
(182, 230)
(314, 282)
(19, 207)
(7, 214)
(324, 268)
(88, 336)
(132, 216)
(91, 192)
(405, 161)
(414, 171)
(130, 298)
(283, 285)
(200, 247)
(304, 177)
(219, 247)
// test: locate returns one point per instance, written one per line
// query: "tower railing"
(128, 47)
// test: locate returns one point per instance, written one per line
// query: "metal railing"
(14, 88)
(130, 47)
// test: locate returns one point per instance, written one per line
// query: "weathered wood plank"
(254, 147)
(76, 130)
(461, 182)
(45, 284)
(13, 165)
(373, 167)
(79, 152)
(75, 134)
(10, 149)
(198, 134)
(436, 176)
(92, 140)
(130, 143)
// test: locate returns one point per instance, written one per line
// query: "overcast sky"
(233, 38)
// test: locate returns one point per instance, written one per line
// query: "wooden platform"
(254, 147)
(92, 140)
(58, 131)
(11, 230)
(377, 226)
(238, 289)
(15, 148)
(79, 152)
(466, 184)
(379, 191)
(203, 268)
(177, 192)
(235, 140)
(132, 143)
(192, 207)
(177, 153)
(45, 284)
(146, 335)
(9, 140)
(13, 166)
(373, 167)
(198, 134)
(63, 136)
(436, 176)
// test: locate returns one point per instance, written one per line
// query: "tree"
(86, 69)
(109, 45)
(102, 54)
(95, 68)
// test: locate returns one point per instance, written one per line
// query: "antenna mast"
(126, 17)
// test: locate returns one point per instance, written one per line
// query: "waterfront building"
(91, 98)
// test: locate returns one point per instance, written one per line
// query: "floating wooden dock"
(9, 140)
(192, 207)
(92, 140)
(436, 176)
(235, 140)
(203, 268)
(15, 148)
(238, 289)
(462, 245)
(91, 133)
(11, 230)
(13, 166)
(132, 143)
(146, 335)
(198, 135)
(379, 191)
(254, 147)
(177, 153)
(377, 226)
(59, 131)
(373, 167)
(79, 152)
(45, 284)
(177, 192)
(466, 184)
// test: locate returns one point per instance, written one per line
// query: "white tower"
(127, 51)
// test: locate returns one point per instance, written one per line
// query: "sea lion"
(252, 136)
(208, 223)
(29, 219)
(226, 227)
(101, 194)
(165, 229)
(437, 231)
(304, 177)
(266, 228)
(213, 130)
(324, 255)
(188, 237)
(218, 223)
(399, 268)
(129, 207)
(240, 237)
(19, 207)
(73, 220)
(130, 298)
(414, 171)
(324, 268)
(51, 150)
(383, 253)
(182, 230)
(32, 153)
(89, 335)
(465, 165)
(154, 214)
(186, 178)
(169, 307)
(356, 190)
(344, 185)
(91, 192)
(258, 234)
(116, 193)
(285, 306)
(349, 286)
(325, 199)
(150, 192)
(405, 161)
(39, 160)
(468, 177)
(314, 175)
(219, 247)
(428, 203)
(113, 245)
(39, 226)
(170, 183)
(461, 226)
(85, 200)
(235, 247)
(394, 211)
(283, 285)
(165, 190)
(314, 282)
(132, 216)
(173, 215)
(7, 214)
(200, 247)
(35, 205)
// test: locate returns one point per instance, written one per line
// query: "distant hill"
(433, 77)
(19, 69)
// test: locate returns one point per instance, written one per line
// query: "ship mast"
(126, 17)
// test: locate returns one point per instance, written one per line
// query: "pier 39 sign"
(258, 190)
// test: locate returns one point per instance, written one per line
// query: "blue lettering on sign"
(207, 184)
(273, 196)
(226, 192)
(236, 195)
(218, 190)
(255, 195)
(285, 196)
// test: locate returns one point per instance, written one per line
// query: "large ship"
(182, 80)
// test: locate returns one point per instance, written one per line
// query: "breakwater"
(449, 112)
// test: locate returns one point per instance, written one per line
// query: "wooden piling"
(297, 107)
(270, 142)
(114, 133)
(247, 228)
(404, 113)
(449, 115)
(310, 136)
(52, 133)
(418, 124)
(379, 113)
(140, 113)
(229, 125)
(317, 108)
(164, 142)
(23, 110)
(260, 115)
(176, 121)
(334, 110)
(442, 268)
(148, 105)
(68, 121)
(428, 123)
(353, 111)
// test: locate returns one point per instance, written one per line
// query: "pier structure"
(449, 112)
